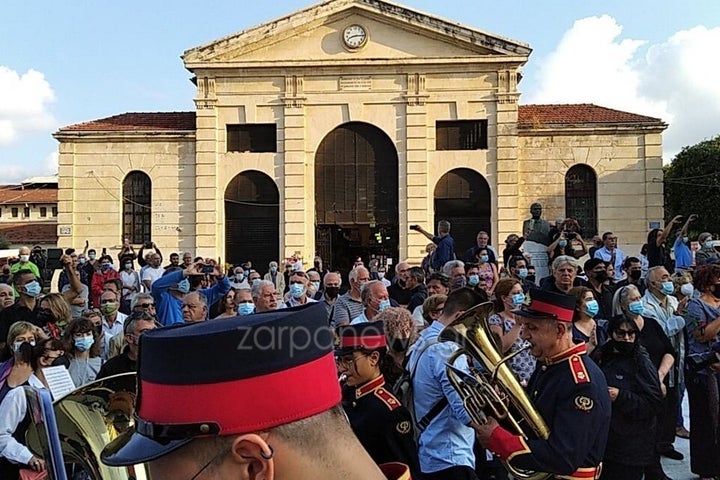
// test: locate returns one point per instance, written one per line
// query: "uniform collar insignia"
(370, 386)
(578, 349)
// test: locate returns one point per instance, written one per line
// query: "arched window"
(581, 198)
(137, 209)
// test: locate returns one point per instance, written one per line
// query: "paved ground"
(680, 470)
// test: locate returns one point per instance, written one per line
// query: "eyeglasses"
(625, 333)
(145, 305)
(348, 362)
(91, 311)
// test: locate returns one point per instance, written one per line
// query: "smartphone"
(414, 227)
(208, 269)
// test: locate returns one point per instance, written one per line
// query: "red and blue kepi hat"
(229, 376)
(548, 305)
(363, 336)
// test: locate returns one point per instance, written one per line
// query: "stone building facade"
(335, 128)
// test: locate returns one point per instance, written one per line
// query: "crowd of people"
(625, 336)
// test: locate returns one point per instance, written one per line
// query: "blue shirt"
(447, 441)
(444, 252)
(169, 308)
(683, 255)
(617, 255)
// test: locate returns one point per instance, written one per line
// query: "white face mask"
(24, 258)
(687, 289)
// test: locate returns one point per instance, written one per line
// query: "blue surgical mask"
(518, 299)
(239, 277)
(636, 307)
(592, 307)
(91, 256)
(709, 244)
(316, 285)
(523, 272)
(84, 343)
(183, 286)
(33, 289)
(128, 266)
(473, 280)
(484, 258)
(686, 239)
(273, 269)
(562, 243)
(384, 304)
(246, 308)
(297, 290)
(668, 288)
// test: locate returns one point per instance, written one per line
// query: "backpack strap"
(440, 405)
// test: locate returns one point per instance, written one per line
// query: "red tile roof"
(14, 194)
(29, 233)
(530, 116)
(133, 122)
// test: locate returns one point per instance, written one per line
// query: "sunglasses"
(623, 333)
(145, 305)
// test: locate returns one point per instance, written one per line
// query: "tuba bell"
(492, 388)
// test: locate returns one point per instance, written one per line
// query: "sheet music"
(59, 381)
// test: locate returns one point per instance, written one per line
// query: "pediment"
(395, 33)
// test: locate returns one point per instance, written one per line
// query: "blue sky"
(72, 61)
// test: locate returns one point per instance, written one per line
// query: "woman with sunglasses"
(634, 388)
(14, 419)
(627, 304)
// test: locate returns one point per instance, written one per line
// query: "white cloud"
(13, 173)
(675, 80)
(24, 102)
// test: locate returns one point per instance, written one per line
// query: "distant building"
(29, 212)
(335, 128)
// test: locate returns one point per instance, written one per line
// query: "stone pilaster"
(415, 207)
(208, 200)
(299, 206)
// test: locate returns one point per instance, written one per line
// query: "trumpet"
(491, 389)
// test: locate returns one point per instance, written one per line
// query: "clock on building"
(354, 36)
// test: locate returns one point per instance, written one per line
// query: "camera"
(700, 361)
(570, 234)
(206, 269)
(415, 227)
(147, 244)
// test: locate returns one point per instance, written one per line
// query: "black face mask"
(45, 317)
(25, 352)
(332, 292)
(716, 290)
(401, 282)
(400, 344)
(601, 276)
(530, 278)
(623, 348)
(61, 361)
(98, 329)
(317, 265)
(635, 274)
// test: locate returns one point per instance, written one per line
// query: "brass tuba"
(86, 420)
(492, 389)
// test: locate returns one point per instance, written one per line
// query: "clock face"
(354, 36)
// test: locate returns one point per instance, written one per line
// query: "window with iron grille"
(461, 135)
(581, 198)
(255, 137)
(137, 209)
(43, 212)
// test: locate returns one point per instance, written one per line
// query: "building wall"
(6, 212)
(91, 173)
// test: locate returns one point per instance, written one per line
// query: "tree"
(692, 185)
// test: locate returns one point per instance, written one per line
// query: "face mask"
(24, 258)
(459, 282)
(562, 243)
(61, 361)
(17, 345)
(91, 256)
(98, 329)
(84, 343)
(316, 285)
(636, 307)
(601, 276)
(523, 273)
(332, 292)
(297, 290)
(81, 260)
(33, 289)
(400, 344)
(518, 299)
(105, 267)
(383, 305)
(686, 239)
(473, 280)
(317, 265)
(128, 266)
(273, 269)
(484, 258)
(401, 282)
(108, 308)
(381, 275)
(246, 308)
(635, 274)
(183, 286)
(687, 289)
(716, 291)
(45, 317)
(709, 244)
(239, 277)
(622, 348)
(667, 288)
(592, 308)
(530, 278)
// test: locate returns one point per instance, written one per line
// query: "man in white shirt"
(152, 271)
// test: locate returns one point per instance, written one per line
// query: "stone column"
(418, 201)
(208, 198)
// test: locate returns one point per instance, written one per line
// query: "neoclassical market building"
(333, 129)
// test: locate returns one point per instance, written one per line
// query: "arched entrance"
(462, 196)
(356, 196)
(252, 220)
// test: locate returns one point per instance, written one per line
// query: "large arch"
(462, 196)
(356, 196)
(252, 219)
(137, 207)
(581, 198)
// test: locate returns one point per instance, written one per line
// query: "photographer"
(565, 241)
(445, 244)
(170, 290)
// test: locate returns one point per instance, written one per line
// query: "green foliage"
(692, 185)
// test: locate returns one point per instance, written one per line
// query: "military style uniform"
(381, 423)
(570, 393)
